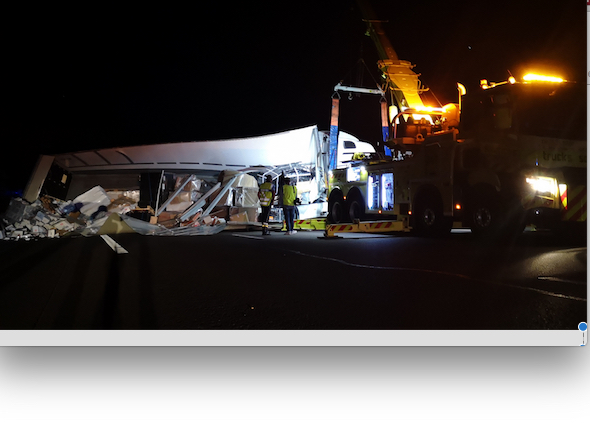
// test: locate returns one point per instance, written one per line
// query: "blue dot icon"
(583, 326)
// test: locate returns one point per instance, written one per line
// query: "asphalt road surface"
(241, 280)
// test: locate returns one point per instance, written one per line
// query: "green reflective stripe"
(266, 191)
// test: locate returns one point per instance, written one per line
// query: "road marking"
(246, 236)
(448, 274)
(114, 245)
(561, 280)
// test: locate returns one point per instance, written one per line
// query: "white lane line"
(114, 245)
(246, 236)
(448, 274)
(561, 280)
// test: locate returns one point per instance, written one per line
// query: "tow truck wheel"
(485, 214)
(355, 210)
(428, 216)
(492, 219)
(336, 211)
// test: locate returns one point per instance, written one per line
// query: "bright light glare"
(536, 77)
(393, 111)
(462, 89)
(542, 184)
(431, 109)
(353, 174)
(370, 193)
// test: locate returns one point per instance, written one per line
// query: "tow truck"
(509, 154)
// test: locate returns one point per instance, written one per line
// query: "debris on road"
(195, 207)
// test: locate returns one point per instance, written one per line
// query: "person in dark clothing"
(266, 195)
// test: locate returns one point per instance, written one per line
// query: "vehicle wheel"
(493, 219)
(356, 210)
(336, 211)
(428, 216)
(485, 214)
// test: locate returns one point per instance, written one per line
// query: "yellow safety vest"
(289, 195)
(265, 194)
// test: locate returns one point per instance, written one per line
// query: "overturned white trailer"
(301, 154)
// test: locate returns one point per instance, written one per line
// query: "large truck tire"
(428, 215)
(491, 218)
(355, 206)
(336, 209)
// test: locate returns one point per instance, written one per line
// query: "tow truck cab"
(532, 134)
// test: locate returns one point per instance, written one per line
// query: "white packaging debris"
(64, 225)
(39, 230)
(42, 217)
(92, 200)
(16, 234)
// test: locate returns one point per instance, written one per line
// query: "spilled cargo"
(101, 212)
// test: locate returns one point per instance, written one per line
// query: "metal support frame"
(198, 204)
(176, 193)
(220, 195)
(359, 90)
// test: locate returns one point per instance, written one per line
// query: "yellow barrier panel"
(308, 224)
(369, 227)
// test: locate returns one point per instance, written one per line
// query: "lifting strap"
(334, 130)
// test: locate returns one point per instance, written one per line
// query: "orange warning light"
(536, 77)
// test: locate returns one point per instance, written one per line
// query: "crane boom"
(403, 82)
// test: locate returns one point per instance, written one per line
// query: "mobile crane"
(507, 154)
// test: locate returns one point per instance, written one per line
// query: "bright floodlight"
(536, 77)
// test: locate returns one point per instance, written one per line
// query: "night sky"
(94, 77)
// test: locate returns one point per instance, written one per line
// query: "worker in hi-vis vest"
(289, 197)
(266, 195)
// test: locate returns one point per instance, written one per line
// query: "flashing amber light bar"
(535, 77)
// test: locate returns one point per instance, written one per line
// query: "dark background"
(104, 76)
